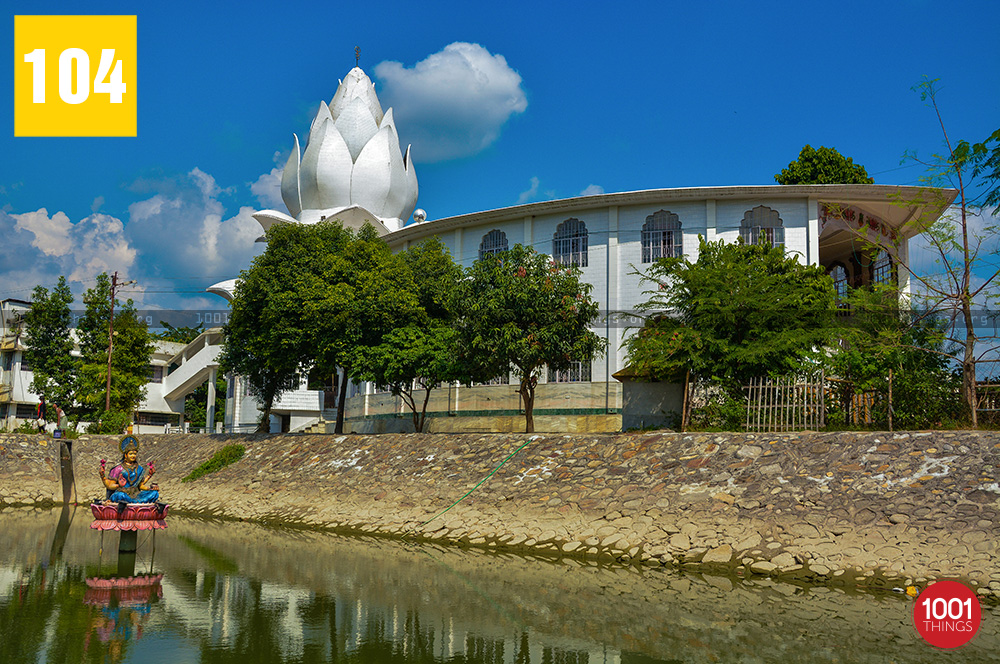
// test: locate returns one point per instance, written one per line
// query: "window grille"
(578, 372)
(26, 411)
(569, 244)
(493, 243)
(762, 225)
(499, 380)
(25, 364)
(661, 237)
(882, 269)
(839, 275)
(156, 374)
(157, 419)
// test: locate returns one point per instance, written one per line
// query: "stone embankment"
(874, 509)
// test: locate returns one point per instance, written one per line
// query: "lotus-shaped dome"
(351, 164)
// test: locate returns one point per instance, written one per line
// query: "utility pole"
(111, 332)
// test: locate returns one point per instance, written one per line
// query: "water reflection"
(224, 592)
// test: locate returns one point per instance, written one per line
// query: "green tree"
(739, 312)
(195, 409)
(365, 293)
(963, 246)
(49, 346)
(130, 355)
(886, 351)
(266, 340)
(518, 311)
(823, 166)
(987, 165)
(180, 335)
(420, 356)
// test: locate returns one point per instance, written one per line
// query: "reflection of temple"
(292, 622)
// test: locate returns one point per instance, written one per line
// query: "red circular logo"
(947, 614)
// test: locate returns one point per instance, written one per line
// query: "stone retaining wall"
(882, 509)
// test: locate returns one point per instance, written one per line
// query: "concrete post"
(210, 406)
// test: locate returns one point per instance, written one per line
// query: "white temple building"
(352, 170)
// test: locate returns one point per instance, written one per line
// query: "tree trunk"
(339, 426)
(423, 412)
(969, 365)
(527, 391)
(265, 418)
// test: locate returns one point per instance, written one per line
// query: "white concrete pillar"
(812, 233)
(710, 223)
(210, 406)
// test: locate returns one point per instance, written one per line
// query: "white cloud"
(454, 102)
(38, 248)
(267, 188)
(97, 204)
(592, 190)
(178, 238)
(530, 193)
(51, 233)
(185, 233)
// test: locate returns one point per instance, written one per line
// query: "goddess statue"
(128, 482)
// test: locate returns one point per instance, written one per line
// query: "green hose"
(532, 439)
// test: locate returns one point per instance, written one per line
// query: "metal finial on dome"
(357, 56)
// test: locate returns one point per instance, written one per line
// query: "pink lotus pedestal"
(135, 516)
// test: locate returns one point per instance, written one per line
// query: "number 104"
(76, 89)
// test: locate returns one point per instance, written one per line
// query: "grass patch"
(227, 455)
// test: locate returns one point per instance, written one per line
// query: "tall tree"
(823, 166)
(421, 355)
(267, 339)
(986, 156)
(519, 312)
(963, 239)
(130, 355)
(49, 346)
(739, 312)
(365, 293)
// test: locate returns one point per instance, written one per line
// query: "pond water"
(236, 592)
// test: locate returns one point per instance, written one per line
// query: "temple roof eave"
(884, 201)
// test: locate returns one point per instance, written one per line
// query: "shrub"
(225, 456)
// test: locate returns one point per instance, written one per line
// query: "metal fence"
(786, 404)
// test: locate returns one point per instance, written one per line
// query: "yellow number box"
(75, 75)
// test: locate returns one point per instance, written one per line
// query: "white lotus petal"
(322, 114)
(268, 218)
(325, 174)
(372, 174)
(397, 195)
(226, 289)
(410, 202)
(290, 192)
(356, 125)
(356, 85)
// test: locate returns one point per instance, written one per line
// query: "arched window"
(661, 237)
(493, 243)
(840, 283)
(882, 269)
(569, 244)
(762, 225)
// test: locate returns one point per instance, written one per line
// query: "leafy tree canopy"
(879, 339)
(420, 355)
(739, 312)
(132, 349)
(181, 334)
(823, 166)
(986, 156)
(519, 312)
(48, 344)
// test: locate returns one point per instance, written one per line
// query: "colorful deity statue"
(128, 482)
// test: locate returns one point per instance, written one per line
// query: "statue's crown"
(129, 443)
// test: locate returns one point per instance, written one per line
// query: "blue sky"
(570, 98)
